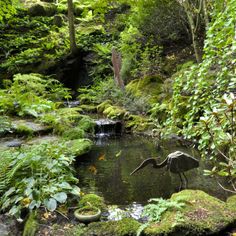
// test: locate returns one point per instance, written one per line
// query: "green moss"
(62, 119)
(73, 133)
(92, 199)
(42, 9)
(117, 228)
(24, 130)
(78, 230)
(31, 225)
(231, 202)
(78, 147)
(147, 86)
(203, 214)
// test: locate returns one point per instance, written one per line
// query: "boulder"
(42, 9)
(202, 215)
(29, 127)
(126, 226)
(58, 20)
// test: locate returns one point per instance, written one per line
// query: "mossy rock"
(29, 128)
(202, 215)
(93, 200)
(58, 20)
(148, 86)
(73, 133)
(42, 9)
(124, 227)
(79, 147)
(231, 202)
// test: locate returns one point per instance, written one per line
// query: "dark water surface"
(106, 171)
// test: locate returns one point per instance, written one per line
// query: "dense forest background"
(174, 63)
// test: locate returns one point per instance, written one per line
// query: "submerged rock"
(202, 215)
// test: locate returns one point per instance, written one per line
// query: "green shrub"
(31, 94)
(5, 125)
(40, 175)
(203, 103)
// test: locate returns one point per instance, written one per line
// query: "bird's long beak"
(135, 170)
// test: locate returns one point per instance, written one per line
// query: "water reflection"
(112, 161)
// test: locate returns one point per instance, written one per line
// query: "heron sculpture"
(177, 162)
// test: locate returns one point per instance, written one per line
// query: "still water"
(106, 171)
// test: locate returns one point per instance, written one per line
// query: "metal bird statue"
(177, 162)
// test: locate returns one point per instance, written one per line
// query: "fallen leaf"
(93, 169)
(118, 153)
(102, 157)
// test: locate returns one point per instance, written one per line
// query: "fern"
(155, 210)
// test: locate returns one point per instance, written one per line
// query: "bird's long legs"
(181, 181)
(186, 180)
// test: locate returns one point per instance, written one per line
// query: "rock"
(78, 147)
(108, 127)
(3, 230)
(202, 215)
(14, 143)
(50, 1)
(28, 127)
(8, 226)
(122, 227)
(231, 202)
(58, 20)
(42, 139)
(42, 9)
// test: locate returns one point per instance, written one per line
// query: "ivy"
(203, 97)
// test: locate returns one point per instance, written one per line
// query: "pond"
(106, 169)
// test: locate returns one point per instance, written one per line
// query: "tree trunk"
(205, 14)
(193, 29)
(73, 47)
(116, 62)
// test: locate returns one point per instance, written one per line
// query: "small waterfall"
(106, 127)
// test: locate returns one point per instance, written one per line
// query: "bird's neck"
(162, 164)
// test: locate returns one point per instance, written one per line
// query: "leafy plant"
(5, 125)
(217, 129)
(154, 211)
(39, 176)
(31, 94)
(198, 111)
